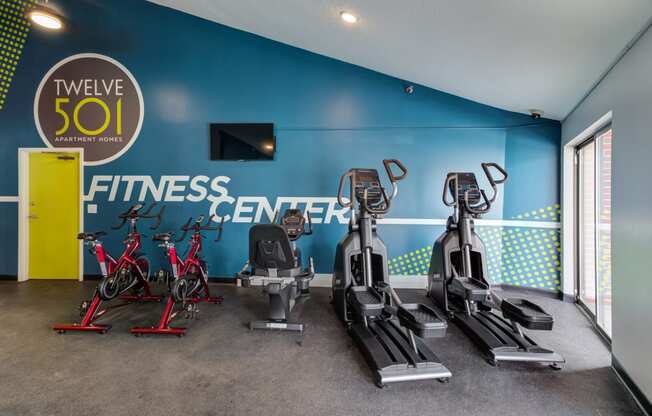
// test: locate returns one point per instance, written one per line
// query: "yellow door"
(53, 215)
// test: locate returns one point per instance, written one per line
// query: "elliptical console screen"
(466, 182)
(367, 179)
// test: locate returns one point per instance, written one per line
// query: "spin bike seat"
(165, 237)
(90, 236)
(526, 313)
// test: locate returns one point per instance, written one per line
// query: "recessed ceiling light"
(45, 17)
(348, 17)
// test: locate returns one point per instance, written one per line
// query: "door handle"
(32, 217)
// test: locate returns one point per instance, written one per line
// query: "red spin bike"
(188, 282)
(126, 278)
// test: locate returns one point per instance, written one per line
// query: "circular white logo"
(89, 101)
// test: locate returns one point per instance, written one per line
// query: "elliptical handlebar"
(340, 190)
(478, 209)
(493, 182)
(309, 232)
(447, 186)
(387, 202)
(393, 178)
(383, 208)
(451, 185)
(132, 214)
(388, 168)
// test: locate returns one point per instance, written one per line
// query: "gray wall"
(627, 91)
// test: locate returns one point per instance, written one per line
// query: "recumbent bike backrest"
(270, 248)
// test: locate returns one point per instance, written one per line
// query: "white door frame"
(23, 206)
(569, 220)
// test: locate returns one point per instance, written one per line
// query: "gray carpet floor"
(221, 368)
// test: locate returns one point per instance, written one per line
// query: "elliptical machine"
(275, 264)
(365, 301)
(457, 280)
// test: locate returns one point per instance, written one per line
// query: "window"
(594, 227)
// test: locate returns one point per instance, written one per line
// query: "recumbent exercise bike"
(275, 263)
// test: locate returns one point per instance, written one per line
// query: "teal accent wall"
(328, 115)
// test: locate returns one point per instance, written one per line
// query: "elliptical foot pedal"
(366, 300)
(470, 288)
(422, 320)
(528, 314)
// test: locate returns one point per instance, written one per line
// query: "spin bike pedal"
(192, 311)
(83, 307)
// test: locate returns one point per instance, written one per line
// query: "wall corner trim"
(611, 66)
(640, 398)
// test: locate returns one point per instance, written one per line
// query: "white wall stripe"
(491, 223)
(420, 221)
(519, 223)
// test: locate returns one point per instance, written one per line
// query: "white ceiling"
(512, 54)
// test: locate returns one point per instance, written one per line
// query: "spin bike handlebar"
(198, 227)
(90, 237)
(133, 214)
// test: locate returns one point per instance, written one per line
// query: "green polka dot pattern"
(551, 213)
(527, 257)
(13, 33)
(413, 263)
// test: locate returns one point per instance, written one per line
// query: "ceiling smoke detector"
(536, 114)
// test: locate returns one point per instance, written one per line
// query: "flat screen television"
(249, 141)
